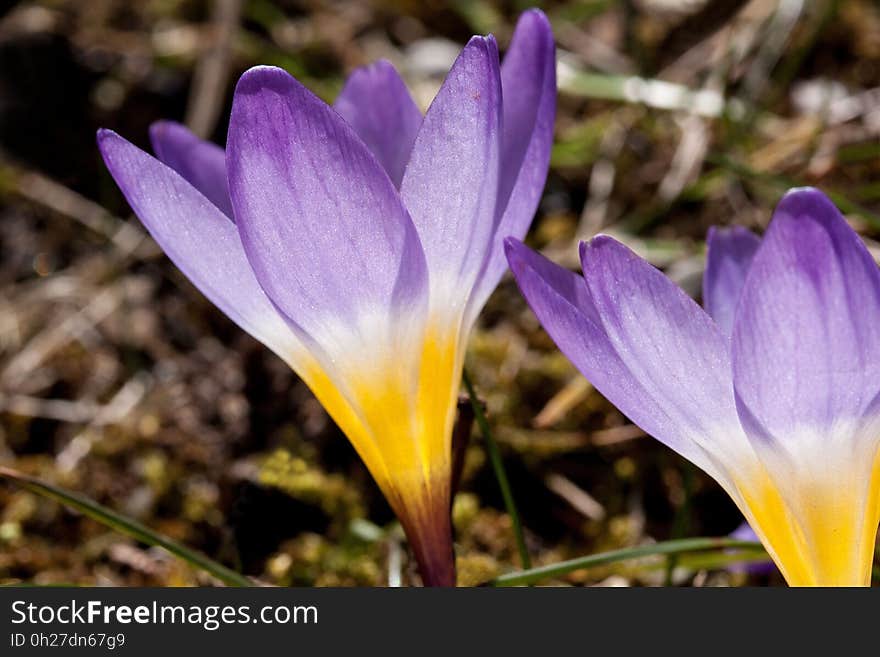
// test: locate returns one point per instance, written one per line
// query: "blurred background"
(120, 381)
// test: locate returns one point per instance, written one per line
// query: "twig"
(571, 394)
(579, 499)
(772, 46)
(79, 410)
(42, 190)
(212, 72)
(698, 27)
(52, 339)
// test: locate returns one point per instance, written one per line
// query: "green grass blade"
(500, 474)
(124, 525)
(534, 575)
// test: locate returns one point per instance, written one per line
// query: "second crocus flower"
(360, 243)
(774, 392)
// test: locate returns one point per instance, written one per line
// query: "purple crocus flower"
(360, 242)
(774, 392)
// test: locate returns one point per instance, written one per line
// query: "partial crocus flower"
(359, 242)
(775, 394)
(761, 567)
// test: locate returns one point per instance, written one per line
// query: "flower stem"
(533, 575)
(500, 474)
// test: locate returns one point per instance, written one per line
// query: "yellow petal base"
(399, 414)
(825, 537)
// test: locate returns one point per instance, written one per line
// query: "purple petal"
(376, 103)
(806, 340)
(730, 252)
(668, 344)
(320, 221)
(645, 345)
(200, 162)
(806, 368)
(198, 238)
(451, 182)
(528, 80)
